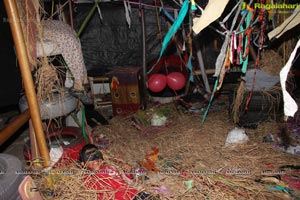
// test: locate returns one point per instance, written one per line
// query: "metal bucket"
(59, 105)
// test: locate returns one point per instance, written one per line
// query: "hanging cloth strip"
(167, 14)
(223, 53)
(262, 19)
(290, 106)
(193, 7)
(223, 58)
(244, 38)
(99, 12)
(212, 12)
(190, 67)
(225, 67)
(127, 8)
(83, 124)
(182, 13)
(188, 41)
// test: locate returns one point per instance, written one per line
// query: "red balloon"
(176, 80)
(157, 82)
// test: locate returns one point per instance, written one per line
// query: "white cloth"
(212, 11)
(291, 22)
(290, 106)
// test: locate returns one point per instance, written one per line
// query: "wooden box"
(126, 86)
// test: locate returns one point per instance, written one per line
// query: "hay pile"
(186, 146)
(192, 162)
(271, 62)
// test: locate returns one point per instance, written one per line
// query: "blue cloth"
(190, 67)
(263, 81)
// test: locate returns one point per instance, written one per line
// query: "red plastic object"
(170, 63)
(176, 80)
(167, 66)
(292, 181)
(70, 138)
(157, 82)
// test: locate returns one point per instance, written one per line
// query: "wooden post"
(12, 127)
(35, 153)
(144, 60)
(21, 51)
(203, 72)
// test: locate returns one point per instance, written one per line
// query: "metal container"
(58, 105)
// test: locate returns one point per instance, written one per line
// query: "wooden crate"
(126, 85)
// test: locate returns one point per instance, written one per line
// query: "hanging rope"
(245, 35)
(262, 19)
(158, 23)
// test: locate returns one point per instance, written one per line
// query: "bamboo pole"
(12, 127)
(21, 51)
(144, 59)
(35, 153)
(87, 18)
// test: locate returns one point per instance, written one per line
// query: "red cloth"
(110, 184)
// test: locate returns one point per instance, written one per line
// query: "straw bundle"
(46, 79)
(238, 100)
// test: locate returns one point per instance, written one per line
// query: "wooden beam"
(207, 71)
(203, 72)
(15, 125)
(21, 51)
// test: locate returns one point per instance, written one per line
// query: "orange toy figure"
(114, 83)
(151, 158)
